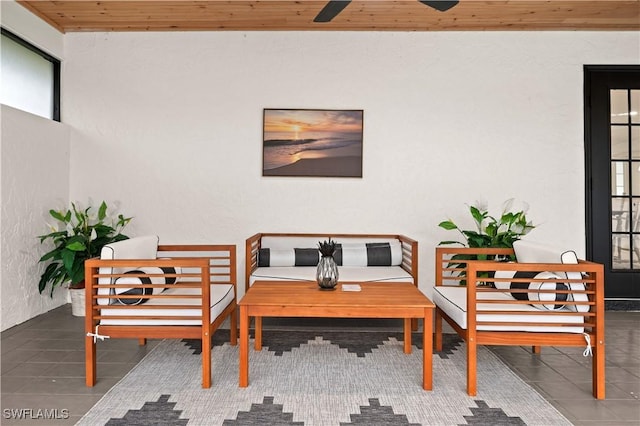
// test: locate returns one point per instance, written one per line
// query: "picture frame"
(312, 142)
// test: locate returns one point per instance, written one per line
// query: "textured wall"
(175, 120)
(35, 177)
(34, 173)
(169, 127)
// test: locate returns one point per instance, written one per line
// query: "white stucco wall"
(170, 125)
(34, 176)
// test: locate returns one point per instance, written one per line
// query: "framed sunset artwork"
(312, 142)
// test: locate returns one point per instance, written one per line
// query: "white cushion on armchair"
(145, 247)
(534, 252)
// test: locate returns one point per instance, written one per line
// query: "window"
(624, 128)
(30, 78)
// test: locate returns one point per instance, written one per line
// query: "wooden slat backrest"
(196, 268)
(453, 267)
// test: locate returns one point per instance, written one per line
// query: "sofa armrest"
(452, 261)
(252, 246)
(410, 257)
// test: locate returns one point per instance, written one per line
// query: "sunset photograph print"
(305, 142)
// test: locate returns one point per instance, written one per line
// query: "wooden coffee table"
(305, 299)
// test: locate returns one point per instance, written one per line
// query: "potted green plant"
(81, 234)
(492, 232)
(489, 232)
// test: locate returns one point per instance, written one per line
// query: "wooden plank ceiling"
(358, 15)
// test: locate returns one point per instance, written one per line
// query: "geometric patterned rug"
(319, 378)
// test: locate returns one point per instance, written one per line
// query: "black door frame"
(596, 213)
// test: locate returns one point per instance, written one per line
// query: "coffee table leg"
(244, 347)
(407, 335)
(427, 350)
(258, 333)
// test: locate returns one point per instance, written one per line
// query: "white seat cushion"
(347, 273)
(453, 301)
(221, 296)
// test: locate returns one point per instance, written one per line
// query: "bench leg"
(142, 341)
(90, 361)
(233, 327)
(536, 350)
(438, 332)
(407, 335)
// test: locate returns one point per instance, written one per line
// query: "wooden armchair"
(537, 303)
(138, 289)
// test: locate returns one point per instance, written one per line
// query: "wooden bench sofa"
(357, 262)
(139, 289)
(546, 298)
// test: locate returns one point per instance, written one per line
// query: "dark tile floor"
(563, 375)
(43, 368)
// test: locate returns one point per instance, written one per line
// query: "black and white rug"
(320, 378)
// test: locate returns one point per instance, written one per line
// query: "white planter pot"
(77, 302)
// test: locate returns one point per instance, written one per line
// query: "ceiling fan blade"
(441, 6)
(331, 10)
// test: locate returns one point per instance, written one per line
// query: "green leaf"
(53, 235)
(450, 242)
(103, 230)
(53, 254)
(77, 273)
(54, 274)
(57, 215)
(448, 225)
(79, 216)
(76, 246)
(47, 275)
(123, 221)
(478, 240)
(478, 216)
(102, 212)
(68, 257)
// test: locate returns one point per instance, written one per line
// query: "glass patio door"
(624, 131)
(612, 152)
